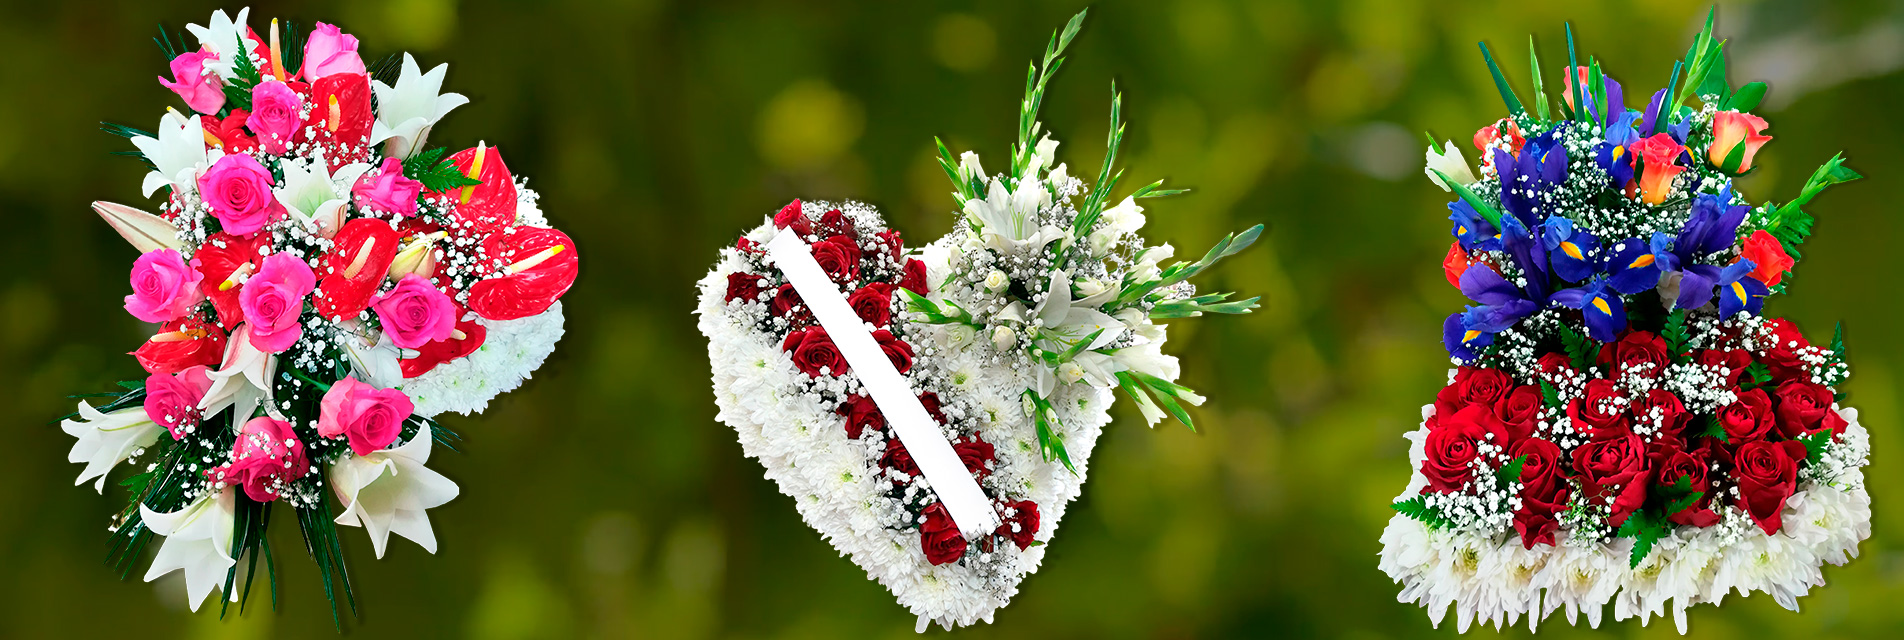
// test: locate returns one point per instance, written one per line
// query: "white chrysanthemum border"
(1495, 579)
(831, 478)
(512, 350)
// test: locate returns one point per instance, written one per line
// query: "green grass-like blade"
(1500, 83)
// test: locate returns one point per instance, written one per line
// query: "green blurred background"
(604, 501)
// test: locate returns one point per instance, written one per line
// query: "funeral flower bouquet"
(324, 284)
(1623, 425)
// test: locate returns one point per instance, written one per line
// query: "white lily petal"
(197, 541)
(176, 154)
(407, 111)
(107, 439)
(243, 381)
(222, 35)
(388, 492)
(146, 232)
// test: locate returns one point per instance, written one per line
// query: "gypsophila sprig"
(320, 291)
(1668, 443)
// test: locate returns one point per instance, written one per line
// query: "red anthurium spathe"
(488, 207)
(340, 117)
(225, 261)
(429, 355)
(355, 267)
(182, 344)
(540, 265)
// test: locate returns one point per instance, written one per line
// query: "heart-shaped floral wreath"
(1012, 333)
(1624, 426)
(324, 286)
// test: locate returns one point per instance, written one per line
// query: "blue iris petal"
(1738, 291)
(1634, 266)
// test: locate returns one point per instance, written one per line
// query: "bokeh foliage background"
(604, 501)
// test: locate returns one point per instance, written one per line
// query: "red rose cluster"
(1625, 442)
(872, 265)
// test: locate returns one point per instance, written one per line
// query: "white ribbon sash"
(916, 429)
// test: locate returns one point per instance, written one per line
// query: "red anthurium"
(229, 133)
(182, 344)
(355, 266)
(225, 261)
(441, 351)
(541, 264)
(340, 117)
(488, 207)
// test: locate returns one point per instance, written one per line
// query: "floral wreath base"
(1495, 578)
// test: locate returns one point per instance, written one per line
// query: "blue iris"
(1739, 292)
(1599, 305)
(1473, 231)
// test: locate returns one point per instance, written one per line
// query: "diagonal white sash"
(916, 429)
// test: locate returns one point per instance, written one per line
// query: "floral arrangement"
(1012, 332)
(324, 285)
(1623, 425)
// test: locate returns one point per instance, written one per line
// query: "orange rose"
(1731, 129)
(1660, 153)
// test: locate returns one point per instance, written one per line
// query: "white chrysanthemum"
(510, 354)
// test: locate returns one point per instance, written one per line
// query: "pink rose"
(273, 300)
(388, 190)
(265, 460)
(238, 190)
(414, 313)
(369, 417)
(172, 400)
(202, 91)
(276, 115)
(330, 51)
(163, 287)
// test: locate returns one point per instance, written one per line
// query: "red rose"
(1454, 443)
(790, 217)
(915, 279)
(834, 223)
(1662, 409)
(1455, 263)
(894, 246)
(1473, 386)
(873, 303)
(898, 459)
(930, 401)
(940, 537)
(1747, 419)
(838, 257)
(814, 351)
(1613, 472)
(1638, 352)
(896, 349)
(1542, 492)
(1767, 473)
(786, 303)
(744, 286)
(1022, 525)
(1520, 411)
(1805, 408)
(749, 246)
(1672, 462)
(1601, 411)
(1552, 364)
(1782, 356)
(182, 344)
(977, 455)
(861, 414)
(1733, 362)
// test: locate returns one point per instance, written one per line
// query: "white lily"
(387, 492)
(197, 541)
(221, 35)
(243, 381)
(176, 154)
(1064, 324)
(406, 112)
(1448, 161)
(146, 232)
(374, 361)
(107, 439)
(310, 193)
(1007, 219)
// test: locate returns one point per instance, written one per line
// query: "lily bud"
(1070, 372)
(145, 231)
(416, 257)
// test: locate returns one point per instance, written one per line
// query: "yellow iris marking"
(1573, 251)
(1739, 290)
(1642, 261)
(1470, 336)
(1600, 303)
(1618, 152)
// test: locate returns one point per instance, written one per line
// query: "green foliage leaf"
(1712, 429)
(1417, 508)
(1549, 394)
(1747, 97)
(1540, 92)
(1511, 472)
(1676, 334)
(1581, 349)
(1646, 528)
(1500, 83)
(437, 173)
(1815, 446)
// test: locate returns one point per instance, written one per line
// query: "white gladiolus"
(1450, 162)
